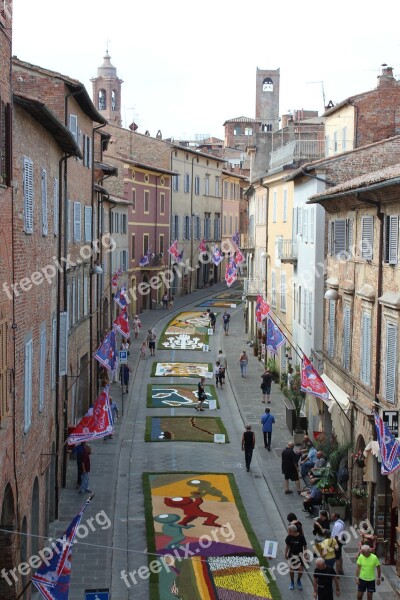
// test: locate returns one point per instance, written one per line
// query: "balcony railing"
(155, 260)
(297, 150)
(287, 251)
(246, 241)
(253, 286)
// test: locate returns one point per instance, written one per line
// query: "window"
(344, 139)
(217, 187)
(217, 226)
(5, 143)
(367, 238)
(197, 185)
(312, 224)
(45, 226)
(175, 183)
(53, 352)
(63, 343)
(299, 311)
(28, 361)
(3, 369)
(146, 201)
(226, 190)
(77, 221)
(365, 374)
(305, 307)
(28, 195)
(123, 223)
(85, 295)
(310, 311)
(248, 131)
(78, 298)
(346, 336)
(161, 244)
(162, 203)
(88, 223)
(102, 104)
(273, 289)
(186, 183)
(299, 220)
(338, 237)
(207, 185)
(331, 328)
(274, 207)
(390, 363)
(69, 218)
(186, 228)
(124, 260)
(391, 239)
(73, 301)
(285, 206)
(133, 246)
(133, 200)
(73, 126)
(197, 227)
(175, 228)
(283, 292)
(224, 224)
(87, 151)
(113, 100)
(230, 225)
(236, 224)
(145, 243)
(335, 141)
(305, 224)
(207, 226)
(55, 206)
(42, 367)
(327, 145)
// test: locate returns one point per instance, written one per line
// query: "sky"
(188, 66)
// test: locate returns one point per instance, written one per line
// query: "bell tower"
(267, 99)
(107, 91)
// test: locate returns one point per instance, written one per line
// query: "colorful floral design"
(196, 525)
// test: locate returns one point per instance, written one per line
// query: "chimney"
(386, 78)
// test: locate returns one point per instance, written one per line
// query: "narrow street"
(117, 541)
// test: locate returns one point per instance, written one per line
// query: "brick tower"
(267, 99)
(107, 91)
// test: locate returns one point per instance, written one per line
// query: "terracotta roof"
(348, 100)
(242, 120)
(362, 182)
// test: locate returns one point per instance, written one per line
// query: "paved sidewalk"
(117, 467)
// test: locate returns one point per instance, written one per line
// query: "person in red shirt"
(86, 452)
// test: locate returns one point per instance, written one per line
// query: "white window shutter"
(177, 227)
(367, 237)
(28, 195)
(88, 223)
(339, 241)
(283, 292)
(285, 206)
(73, 126)
(305, 224)
(85, 295)
(53, 352)
(42, 373)
(346, 337)
(173, 229)
(63, 363)
(390, 363)
(78, 298)
(273, 289)
(310, 309)
(299, 221)
(69, 221)
(28, 361)
(45, 228)
(275, 208)
(393, 239)
(73, 297)
(331, 332)
(312, 223)
(55, 207)
(77, 221)
(366, 348)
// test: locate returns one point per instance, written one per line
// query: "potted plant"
(338, 505)
(359, 491)
(359, 459)
(273, 369)
(326, 480)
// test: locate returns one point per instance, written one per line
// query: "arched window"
(35, 516)
(268, 85)
(102, 100)
(113, 100)
(237, 130)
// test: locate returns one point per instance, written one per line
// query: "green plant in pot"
(273, 369)
(327, 480)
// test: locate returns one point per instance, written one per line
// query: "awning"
(336, 394)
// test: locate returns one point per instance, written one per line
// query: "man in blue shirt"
(314, 498)
(267, 421)
(308, 462)
(226, 317)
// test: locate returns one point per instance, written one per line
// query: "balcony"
(297, 150)
(247, 241)
(155, 261)
(287, 251)
(252, 286)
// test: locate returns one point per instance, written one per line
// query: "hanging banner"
(311, 381)
(275, 337)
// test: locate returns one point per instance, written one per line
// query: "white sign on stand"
(206, 348)
(270, 549)
(219, 438)
(210, 331)
(212, 405)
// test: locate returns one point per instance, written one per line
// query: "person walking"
(213, 318)
(248, 445)
(293, 520)
(226, 317)
(328, 548)
(151, 341)
(367, 562)
(114, 416)
(337, 530)
(124, 377)
(243, 362)
(223, 363)
(136, 325)
(78, 451)
(165, 300)
(290, 467)
(266, 386)
(267, 420)
(296, 545)
(201, 394)
(324, 577)
(86, 452)
(218, 374)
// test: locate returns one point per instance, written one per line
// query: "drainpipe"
(170, 222)
(380, 216)
(266, 236)
(191, 228)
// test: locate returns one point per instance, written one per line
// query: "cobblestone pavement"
(114, 520)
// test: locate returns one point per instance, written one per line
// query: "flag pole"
(24, 590)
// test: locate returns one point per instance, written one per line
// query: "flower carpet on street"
(187, 331)
(183, 429)
(182, 395)
(215, 303)
(231, 295)
(182, 369)
(197, 523)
